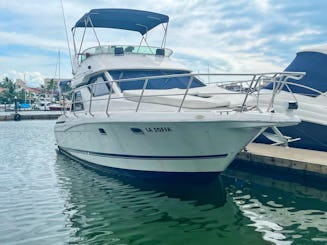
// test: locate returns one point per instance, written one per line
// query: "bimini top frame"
(123, 19)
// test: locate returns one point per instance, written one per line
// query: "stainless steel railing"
(279, 79)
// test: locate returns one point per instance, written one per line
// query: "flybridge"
(123, 19)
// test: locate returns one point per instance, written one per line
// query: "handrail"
(306, 87)
(144, 87)
(284, 83)
(279, 79)
(275, 89)
(205, 74)
(90, 103)
(258, 90)
(247, 94)
(109, 97)
(185, 94)
(200, 74)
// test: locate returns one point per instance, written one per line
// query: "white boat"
(136, 110)
(308, 96)
(42, 104)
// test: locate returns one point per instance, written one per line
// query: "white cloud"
(296, 36)
(227, 35)
(31, 67)
(263, 5)
(31, 40)
(32, 79)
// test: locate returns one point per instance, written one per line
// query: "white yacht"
(137, 110)
(308, 96)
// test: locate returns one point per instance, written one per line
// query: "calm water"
(46, 198)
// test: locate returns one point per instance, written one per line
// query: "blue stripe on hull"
(143, 157)
(197, 177)
(313, 136)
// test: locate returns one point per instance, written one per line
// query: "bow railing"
(253, 84)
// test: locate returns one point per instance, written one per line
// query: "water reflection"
(283, 211)
(105, 209)
(46, 198)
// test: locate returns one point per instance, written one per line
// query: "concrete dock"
(30, 115)
(285, 157)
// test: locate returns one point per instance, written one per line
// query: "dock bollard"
(17, 117)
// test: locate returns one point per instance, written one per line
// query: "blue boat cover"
(315, 66)
(125, 19)
(25, 106)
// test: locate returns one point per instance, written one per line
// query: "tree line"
(10, 92)
(7, 96)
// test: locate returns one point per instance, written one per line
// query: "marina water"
(46, 198)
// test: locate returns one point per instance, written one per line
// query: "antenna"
(63, 15)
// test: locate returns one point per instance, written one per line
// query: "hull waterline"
(174, 148)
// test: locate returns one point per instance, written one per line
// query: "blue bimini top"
(125, 19)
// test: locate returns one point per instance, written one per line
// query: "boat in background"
(137, 111)
(306, 98)
(60, 106)
(42, 103)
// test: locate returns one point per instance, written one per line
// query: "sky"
(239, 36)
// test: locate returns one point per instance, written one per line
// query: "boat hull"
(182, 177)
(156, 147)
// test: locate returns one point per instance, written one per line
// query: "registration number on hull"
(158, 130)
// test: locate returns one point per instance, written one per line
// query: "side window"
(78, 102)
(98, 85)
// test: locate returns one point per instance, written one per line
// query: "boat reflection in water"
(239, 207)
(102, 208)
(283, 207)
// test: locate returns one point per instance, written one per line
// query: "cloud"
(229, 36)
(34, 73)
(263, 5)
(32, 79)
(31, 40)
(322, 47)
(297, 36)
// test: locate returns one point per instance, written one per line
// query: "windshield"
(160, 83)
(125, 49)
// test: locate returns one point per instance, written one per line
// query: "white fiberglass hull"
(196, 146)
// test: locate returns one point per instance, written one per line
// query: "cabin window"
(99, 85)
(78, 102)
(162, 83)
